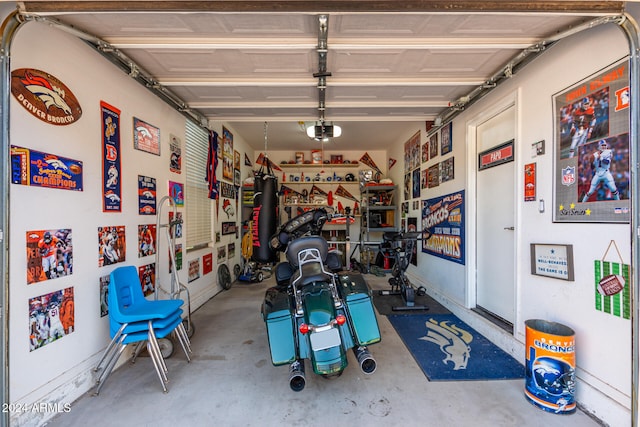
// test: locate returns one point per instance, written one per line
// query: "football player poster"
(49, 254)
(194, 269)
(112, 247)
(104, 295)
(146, 240)
(591, 133)
(51, 317)
(147, 274)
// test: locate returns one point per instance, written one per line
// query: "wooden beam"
(371, 6)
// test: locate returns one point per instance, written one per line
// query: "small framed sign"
(552, 260)
(496, 156)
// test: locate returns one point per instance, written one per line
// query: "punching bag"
(265, 213)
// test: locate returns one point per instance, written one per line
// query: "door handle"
(509, 228)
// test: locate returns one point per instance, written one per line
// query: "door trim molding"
(471, 125)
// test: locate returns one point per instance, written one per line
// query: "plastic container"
(550, 366)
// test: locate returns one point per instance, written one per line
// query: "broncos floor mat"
(447, 349)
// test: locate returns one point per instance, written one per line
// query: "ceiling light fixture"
(322, 130)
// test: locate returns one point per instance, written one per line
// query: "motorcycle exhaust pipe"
(297, 380)
(366, 361)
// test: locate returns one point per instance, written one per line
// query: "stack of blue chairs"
(134, 319)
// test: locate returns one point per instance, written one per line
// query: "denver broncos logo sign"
(45, 97)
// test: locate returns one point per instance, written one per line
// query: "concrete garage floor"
(231, 382)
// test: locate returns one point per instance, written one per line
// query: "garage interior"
(269, 70)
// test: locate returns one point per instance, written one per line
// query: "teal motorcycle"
(317, 311)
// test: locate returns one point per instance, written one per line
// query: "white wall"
(603, 342)
(59, 372)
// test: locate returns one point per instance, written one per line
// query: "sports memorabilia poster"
(222, 254)
(407, 186)
(194, 269)
(146, 137)
(178, 257)
(227, 154)
(146, 240)
(530, 182)
(447, 170)
(228, 227)
(51, 317)
(227, 190)
(613, 283)
(38, 169)
(147, 274)
(591, 132)
(412, 153)
(45, 96)
(175, 156)
(104, 295)
(175, 228)
(49, 254)
(146, 195)
(433, 146)
(415, 183)
(412, 227)
(433, 176)
(207, 263)
(111, 166)
(176, 193)
(446, 144)
(444, 217)
(112, 247)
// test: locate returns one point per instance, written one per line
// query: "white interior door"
(495, 220)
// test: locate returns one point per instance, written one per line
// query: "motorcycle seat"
(284, 271)
(334, 262)
(311, 272)
(307, 242)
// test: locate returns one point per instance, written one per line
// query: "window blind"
(197, 204)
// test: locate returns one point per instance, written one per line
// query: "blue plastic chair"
(134, 319)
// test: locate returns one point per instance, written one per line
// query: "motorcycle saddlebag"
(280, 329)
(355, 292)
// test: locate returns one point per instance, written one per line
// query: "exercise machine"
(398, 248)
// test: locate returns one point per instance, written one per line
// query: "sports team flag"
(111, 168)
(367, 160)
(265, 161)
(317, 190)
(343, 192)
(287, 190)
(146, 195)
(38, 169)
(212, 165)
